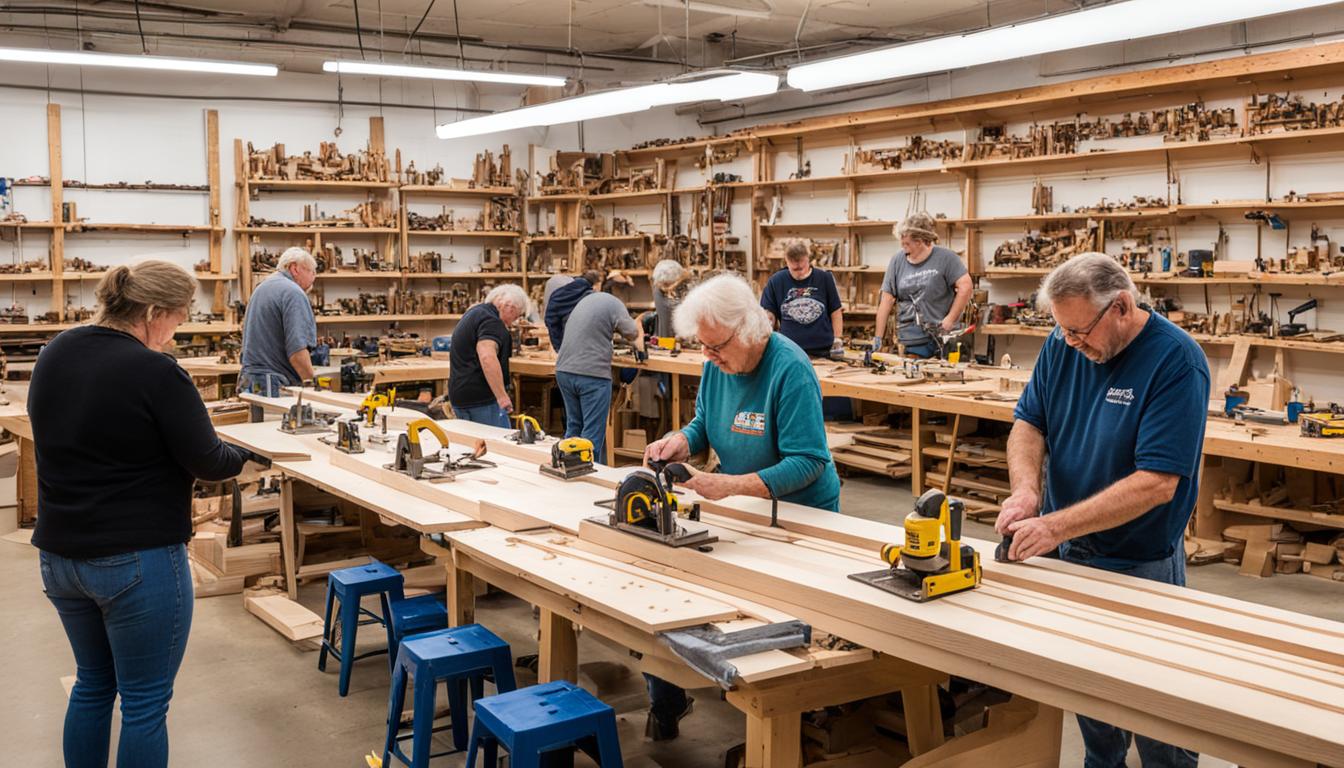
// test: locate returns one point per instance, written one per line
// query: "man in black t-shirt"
(805, 303)
(479, 357)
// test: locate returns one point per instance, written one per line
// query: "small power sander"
(932, 562)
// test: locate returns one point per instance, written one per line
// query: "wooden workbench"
(1243, 682)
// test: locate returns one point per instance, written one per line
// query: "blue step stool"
(351, 585)
(414, 615)
(542, 718)
(458, 656)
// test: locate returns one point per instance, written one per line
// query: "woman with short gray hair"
(927, 283)
(667, 276)
(759, 408)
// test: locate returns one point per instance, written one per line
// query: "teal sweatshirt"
(769, 422)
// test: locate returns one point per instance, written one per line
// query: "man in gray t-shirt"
(279, 329)
(583, 369)
(928, 284)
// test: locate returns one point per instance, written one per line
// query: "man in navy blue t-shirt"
(1114, 413)
(805, 303)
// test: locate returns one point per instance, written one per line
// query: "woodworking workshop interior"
(672, 383)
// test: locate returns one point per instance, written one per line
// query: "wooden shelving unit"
(57, 231)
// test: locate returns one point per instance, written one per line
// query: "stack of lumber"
(879, 450)
(1266, 549)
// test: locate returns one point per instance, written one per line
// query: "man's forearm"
(1026, 456)
(303, 365)
(838, 323)
(883, 312)
(959, 302)
(1122, 501)
(494, 376)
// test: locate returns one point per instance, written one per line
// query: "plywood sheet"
(265, 438)
(403, 508)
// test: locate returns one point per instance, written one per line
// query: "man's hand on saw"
(1021, 505)
(713, 486)
(671, 448)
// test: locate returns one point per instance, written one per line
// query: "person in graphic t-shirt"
(805, 304)
(927, 283)
(1114, 415)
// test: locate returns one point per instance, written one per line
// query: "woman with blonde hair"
(927, 283)
(121, 434)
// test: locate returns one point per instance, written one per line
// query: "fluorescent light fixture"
(1079, 29)
(716, 85)
(436, 73)
(80, 58)
(723, 10)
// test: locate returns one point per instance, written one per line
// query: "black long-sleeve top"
(120, 433)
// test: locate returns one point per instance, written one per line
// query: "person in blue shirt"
(805, 303)
(759, 408)
(1114, 414)
(279, 330)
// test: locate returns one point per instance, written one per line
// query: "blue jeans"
(127, 617)
(587, 400)
(264, 384)
(489, 413)
(1106, 744)
(923, 351)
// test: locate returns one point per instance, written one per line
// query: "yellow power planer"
(932, 562)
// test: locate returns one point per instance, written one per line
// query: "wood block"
(634, 439)
(285, 616)
(1327, 572)
(1258, 559)
(1318, 554)
(250, 559)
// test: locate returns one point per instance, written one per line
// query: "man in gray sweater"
(583, 369)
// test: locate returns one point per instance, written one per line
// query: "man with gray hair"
(1114, 414)
(279, 329)
(478, 360)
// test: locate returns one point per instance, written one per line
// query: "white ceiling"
(299, 34)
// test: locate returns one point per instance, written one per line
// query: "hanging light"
(1079, 29)
(715, 85)
(84, 59)
(437, 73)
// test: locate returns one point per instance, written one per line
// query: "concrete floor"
(247, 697)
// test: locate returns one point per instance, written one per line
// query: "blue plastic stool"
(458, 656)
(541, 718)
(351, 585)
(414, 615)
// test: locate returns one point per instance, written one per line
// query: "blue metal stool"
(541, 718)
(351, 585)
(414, 615)
(459, 656)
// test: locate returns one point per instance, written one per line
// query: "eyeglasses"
(716, 348)
(1080, 335)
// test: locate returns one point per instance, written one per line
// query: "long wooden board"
(1280, 711)
(265, 438)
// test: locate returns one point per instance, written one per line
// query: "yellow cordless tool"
(372, 402)
(932, 562)
(529, 430)
(646, 505)
(570, 458)
(1325, 423)
(411, 460)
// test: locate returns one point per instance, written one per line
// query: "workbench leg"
(557, 650)
(923, 718)
(676, 401)
(774, 742)
(916, 452)
(287, 536)
(1020, 734)
(461, 596)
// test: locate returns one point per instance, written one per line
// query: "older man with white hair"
(279, 330)
(759, 405)
(478, 362)
(1114, 415)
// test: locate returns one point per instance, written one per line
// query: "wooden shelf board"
(318, 230)
(551, 238)
(861, 224)
(460, 275)
(75, 229)
(616, 238)
(650, 193)
(25, 277)
(314, 185)
(1281, 513)
(443, 190)
(390, 275)
(1254, 278)
(568, 197)
(321, 319)
(461, 233)
(31, 225)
